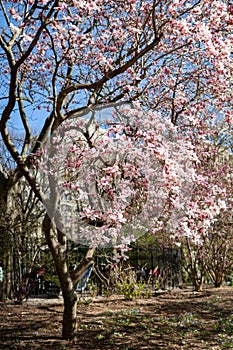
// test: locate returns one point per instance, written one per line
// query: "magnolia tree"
(109, 181)
(60, 57)
(207, 220)
(219, 243)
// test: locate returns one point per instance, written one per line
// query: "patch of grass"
(225, 324)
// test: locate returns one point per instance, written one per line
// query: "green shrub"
(131, 290)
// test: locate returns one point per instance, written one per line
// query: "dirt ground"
(180, 319)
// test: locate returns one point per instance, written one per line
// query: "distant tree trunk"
(219, 282)
(217, 276)
(57, 244)
(194, 266)
(198, 283)
(7, 281)
(6, 244)
(219, 263)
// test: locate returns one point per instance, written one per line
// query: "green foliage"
(85, 301)
(230, 283)
(225, 325)
(129, 286)
(93, 289)
(131, 290)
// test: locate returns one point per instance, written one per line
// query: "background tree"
(207, 220)
(21, 239)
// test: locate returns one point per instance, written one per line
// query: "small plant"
(63, 347)
(225, 325)
(129, 287)
(84, 327)
(100, 336)
(230, 283)
(131, 290)
(85, 301)
(188, 318)
(93, 289)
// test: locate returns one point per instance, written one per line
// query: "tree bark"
(68, 282)
(219, 278)
(7, 281)
(69, 322)
(198, 282)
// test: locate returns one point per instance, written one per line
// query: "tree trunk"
(219, 279)
(7, 281)
(69, 322)
(198, 283)
(198, 287)
(57, 244)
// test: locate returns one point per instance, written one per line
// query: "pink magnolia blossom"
(172, 59)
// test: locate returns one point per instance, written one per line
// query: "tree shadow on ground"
(170, 321)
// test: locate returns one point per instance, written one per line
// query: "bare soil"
(180, 319)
